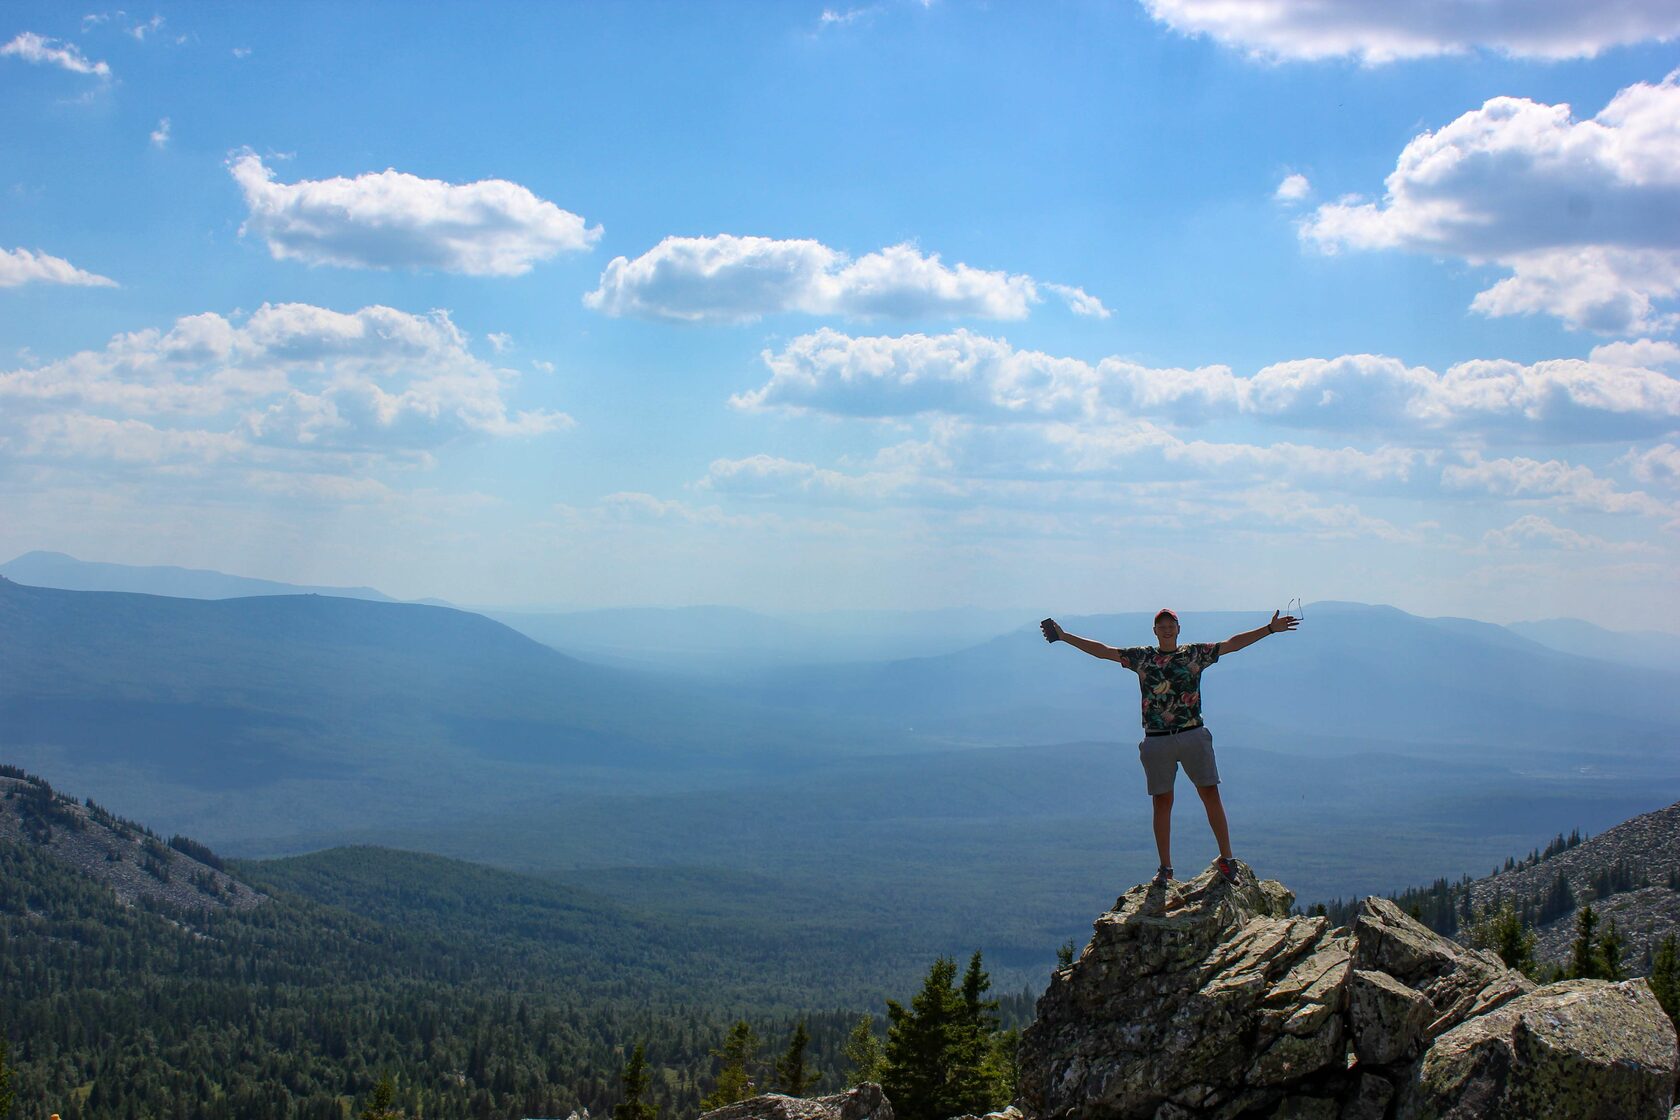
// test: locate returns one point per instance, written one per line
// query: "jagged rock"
(865, 1102)
(1457, 982)
(1388, 1018)
(1209, 1001)
(1580, 1048)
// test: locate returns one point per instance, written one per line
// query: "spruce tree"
(1610, 947)
(1665, 979)
(864, 1054)
(382, 1104)
(6, 1074)
(1503, 932)
(1584, 962)
(793, 1074)
(734, 1079)
(634, 1079)
(934, 1053)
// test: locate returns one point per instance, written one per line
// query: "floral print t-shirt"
(1171, 683)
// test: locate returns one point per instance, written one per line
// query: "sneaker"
(1163, 875)
(1227, 869)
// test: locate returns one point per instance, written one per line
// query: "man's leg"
(1215, 814)
(1163, 826)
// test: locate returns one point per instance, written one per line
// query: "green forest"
(412, 985)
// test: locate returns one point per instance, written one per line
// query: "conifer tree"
(935, 1055)
(863, 1053)
(382, 1104)
(1503, 932)
(634, 1079)
(1584, 961)
(1665, 978)
(794, 1074)
(734, 1079)
(6, 1075)
(1610, 947)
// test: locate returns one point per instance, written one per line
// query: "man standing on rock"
(1170, 679)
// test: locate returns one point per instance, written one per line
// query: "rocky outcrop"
(1209, 999)
(865, 1102)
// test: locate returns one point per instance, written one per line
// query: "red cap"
(1169, 613)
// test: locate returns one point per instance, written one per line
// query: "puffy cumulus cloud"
(1294, 188)
(1582, 212)
(1380, 31)
(1565, 484)
(738, 279)
(290, 377)
(30, 47)
(391, 219)
(967, 375)
(20, 266)
(1641, 353)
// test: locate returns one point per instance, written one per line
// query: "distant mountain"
(1352, 674)
(276, 716)
(55, 569)
(1655, 649)
(732, 643)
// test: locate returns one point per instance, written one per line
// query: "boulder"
(865, 1102)
(1580, 1048)
(1388, 1018)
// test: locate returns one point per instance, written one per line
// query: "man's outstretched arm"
(1277, 625)
(1054, 633)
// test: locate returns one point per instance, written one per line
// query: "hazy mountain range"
(990, 783)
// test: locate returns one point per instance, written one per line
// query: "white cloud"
(140, 30)
(1641, 353)
(845, 17)
(160, 134)
(1581, 212)
(394, 220)
(1294, 188)
(31, 47)
(1378, 31)
(241, 52)
(1532, 531)
(1565, 484)
(20, 266)
(500, 342)
(739, 279)
(967, 375)
(1079, 301)
(290, 377)
(1659, 465)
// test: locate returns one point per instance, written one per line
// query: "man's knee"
(1162, 800)
(1209, 793)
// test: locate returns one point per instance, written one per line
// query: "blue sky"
(1061, 307)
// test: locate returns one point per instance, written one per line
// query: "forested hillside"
(478, 992)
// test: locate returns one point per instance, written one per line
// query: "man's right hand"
(1052, 632)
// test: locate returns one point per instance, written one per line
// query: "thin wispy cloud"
(1380, 31)
(390, 219)
(1581, 212)
(30, 47)
(160, 134)
(21, 266)
(733, 279)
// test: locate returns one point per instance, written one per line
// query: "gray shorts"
(1162, 754)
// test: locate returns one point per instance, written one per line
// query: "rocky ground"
(1211, 1000)
(124, 857)
(1649, 843)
